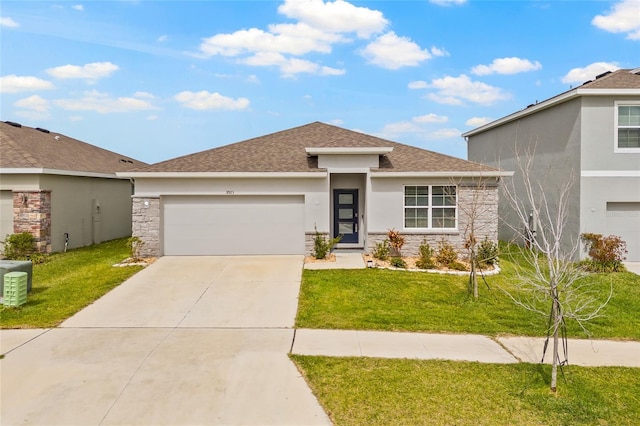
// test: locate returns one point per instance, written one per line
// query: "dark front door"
(345, 214)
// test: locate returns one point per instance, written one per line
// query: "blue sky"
(159, 79)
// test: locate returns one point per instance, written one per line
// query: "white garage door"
(623, 220)
(233, 225)
(6, 214)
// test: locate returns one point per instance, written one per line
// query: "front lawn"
(375, 299)
(67, 283)
(368, 391)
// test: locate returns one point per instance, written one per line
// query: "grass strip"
(67, 283)
(369, 391)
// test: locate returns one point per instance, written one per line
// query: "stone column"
(32, 213)
(146, 224)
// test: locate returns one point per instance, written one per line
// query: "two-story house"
(591, 134)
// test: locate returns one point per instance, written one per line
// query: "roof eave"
(373, 150)
(474, 174)
(222, 175)
(46, 171)
(567, 96)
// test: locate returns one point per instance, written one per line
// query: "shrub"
(457, 266)
(606, 253)
(398, 262)
(322, 246)
(135, 245)
(396, 241)
(446, 254)
(426, 256)
(487, 253)
(19, 246)
(381, 250)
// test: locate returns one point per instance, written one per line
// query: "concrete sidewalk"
(460, 347)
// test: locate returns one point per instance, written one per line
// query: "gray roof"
(284, 151)
(26, 147)
(623, 80)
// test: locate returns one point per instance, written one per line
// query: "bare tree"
(549, 281)
(477, 212)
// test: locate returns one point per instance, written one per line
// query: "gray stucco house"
(268, 195)
(591, 132)
(55, 186)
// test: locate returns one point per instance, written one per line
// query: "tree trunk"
(555, 309)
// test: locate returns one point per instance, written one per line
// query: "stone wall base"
(32, 213)
(145, 224)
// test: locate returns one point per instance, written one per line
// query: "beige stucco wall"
(74, 206)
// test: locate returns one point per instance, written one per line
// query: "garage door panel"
(233, 225)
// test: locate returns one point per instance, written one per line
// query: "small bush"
(396, 241)
(381, 250)
(322, 246)
(606, 253)
(135, 244)
(398, 262)
(487, 253)
(19, 246)
(457, 266)
(426, 256)
(38, 258)
(446, 254)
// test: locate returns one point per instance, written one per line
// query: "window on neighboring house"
(628, 127)
(430, 207)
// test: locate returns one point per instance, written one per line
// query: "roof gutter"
(564, 97)
(492, 174)
(45, 171)
(222, 175)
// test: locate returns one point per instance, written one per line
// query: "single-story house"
(61, 190)
(270, 194)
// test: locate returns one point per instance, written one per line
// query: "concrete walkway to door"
(188, 340)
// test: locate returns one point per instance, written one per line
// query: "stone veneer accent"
(146, 224)
(32, 213)
(486, 223)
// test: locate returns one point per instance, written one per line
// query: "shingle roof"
(284, 151)
(620, 79)
(26, 147)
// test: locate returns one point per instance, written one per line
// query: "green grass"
(67, 283)
(368, 391)
(375, 299)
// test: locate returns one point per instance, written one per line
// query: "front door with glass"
(345, 215)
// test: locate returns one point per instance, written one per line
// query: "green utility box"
(15, 288)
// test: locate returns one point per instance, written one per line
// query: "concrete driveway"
(187, 341)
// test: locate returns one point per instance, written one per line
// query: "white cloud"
(393, 52)
(507, 66)
(103, 103)
(448, 2)
(430, 118)
(296, 39)
(624, 17)
(34, 108)
(144, 95)
(418, 84)
(392, 130)
(436, 51)
(456, 90)
(209, 101)
(445, 134)
(92, 71)
(162, 38)
(14, 84)
(478, 121)
(337, 122)
(8, 22)
(152, 117)
(335, 17)
(289, 67)
(580, 75)
(78, 7)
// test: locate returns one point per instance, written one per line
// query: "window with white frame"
(628, 127)
(430, 207)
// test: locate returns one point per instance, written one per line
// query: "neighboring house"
(590, 133)
(57, 187)
(268, 195)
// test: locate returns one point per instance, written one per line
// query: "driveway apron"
(187, 341)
